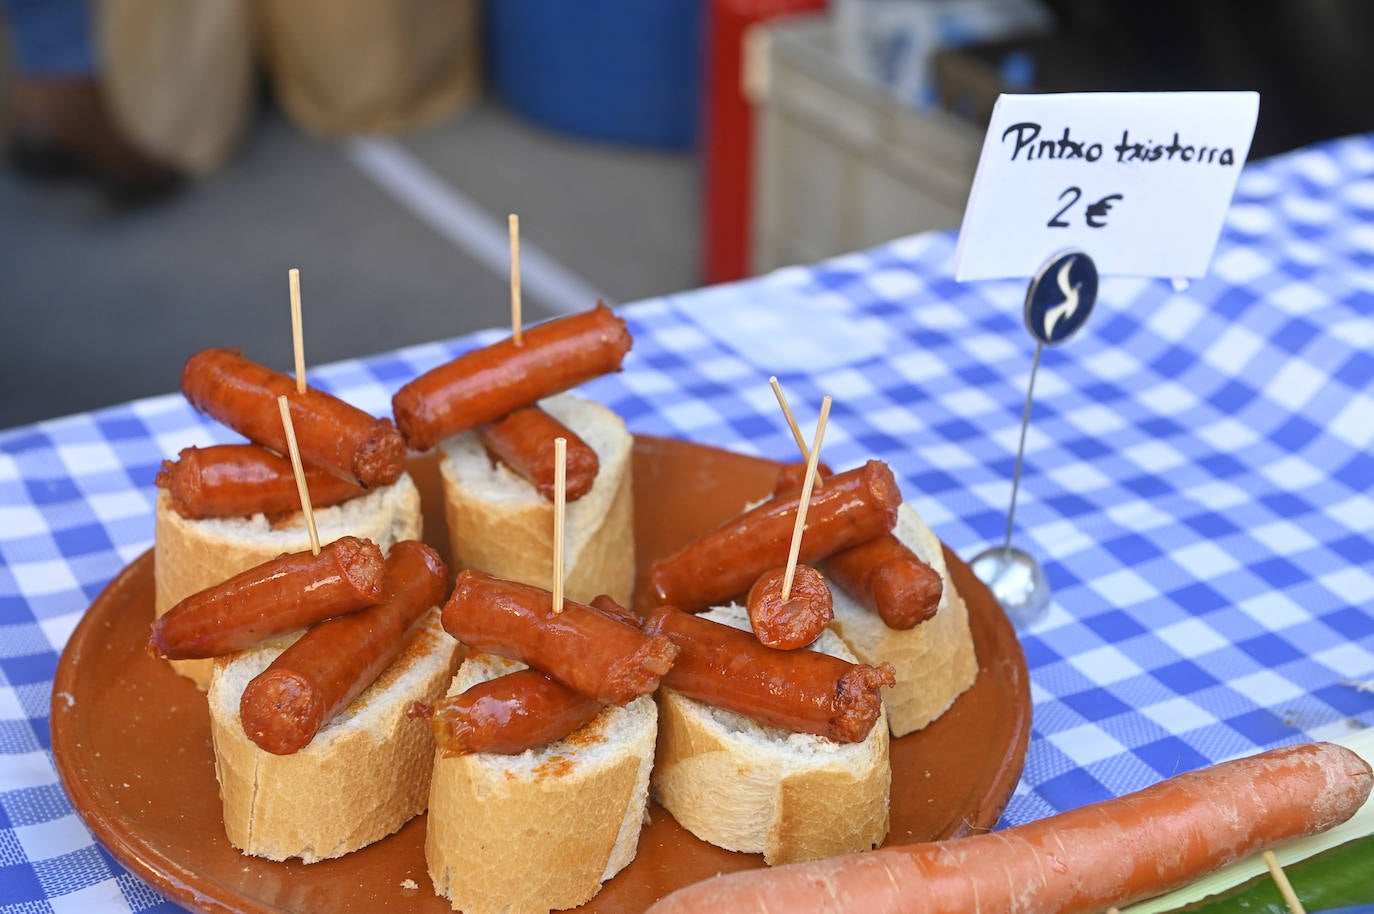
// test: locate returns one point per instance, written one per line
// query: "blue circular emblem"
(1061, 297)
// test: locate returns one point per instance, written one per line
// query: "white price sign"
(1141, 181)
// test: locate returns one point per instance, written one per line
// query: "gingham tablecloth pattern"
(1197, 483)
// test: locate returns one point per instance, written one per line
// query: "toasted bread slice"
(748, 787)
(363, 776)
(191, 555)
(934, 661)
(539, 831)
(499, 524)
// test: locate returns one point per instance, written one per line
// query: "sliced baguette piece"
(934, 661)
(539, 831)
(191, 555)
(363, 776)
(748, 787)
(499, 524)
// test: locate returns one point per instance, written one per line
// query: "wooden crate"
(840, 164)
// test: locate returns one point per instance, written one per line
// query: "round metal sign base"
(1017, 581)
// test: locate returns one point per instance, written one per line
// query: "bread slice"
(539, 831)
(499, 524)
(749, 787)
(934, 661)
(365, 774)
(191, 555)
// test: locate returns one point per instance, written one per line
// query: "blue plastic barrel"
(622, 71)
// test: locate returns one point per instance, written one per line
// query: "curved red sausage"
(584, 650)
(886, 577)
(523, 441)
(509, 714)
(238, 480)
(331, 434)
(285, 705)
(489, 383)
(851, 508)
(801, 691)
(288, 592)
(797, 621)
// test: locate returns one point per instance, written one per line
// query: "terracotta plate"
(132, 739)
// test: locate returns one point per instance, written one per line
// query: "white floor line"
(467, 226)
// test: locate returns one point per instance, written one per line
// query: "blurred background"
(169, 161)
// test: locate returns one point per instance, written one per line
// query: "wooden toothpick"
(805, 502)
(297, 338)
(300, 474)
(560, 500)
(1285, 887)
(515, 279)
(792, 422)
(787, 412)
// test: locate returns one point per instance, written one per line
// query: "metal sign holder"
(1055, 310)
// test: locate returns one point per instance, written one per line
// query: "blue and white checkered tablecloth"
(1198, 483)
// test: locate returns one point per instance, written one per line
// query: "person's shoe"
(63, 128)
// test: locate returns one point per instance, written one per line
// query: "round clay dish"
(132, 739)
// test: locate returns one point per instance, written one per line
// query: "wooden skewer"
(515, 279)
(805, 502)
(560, 500)
(1285, 887)
(300, 474)
(792, 423)
(297, 337)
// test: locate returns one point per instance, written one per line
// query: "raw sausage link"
(797, 621)
(288, 592)
(238, 480)
(332, 435)
(851, 508)
(886, 577)
(488, 383)
(509, 714)
(586, 651)
(801, 691)
(523, 441)
(284, 706)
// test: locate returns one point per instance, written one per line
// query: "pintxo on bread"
(493, 413)
(739, 780)
(542, 829)
(223, 510)
(545, 814)
(897, 604)
(933, 657)
(314, 751)
(361, 777)
(894, 602)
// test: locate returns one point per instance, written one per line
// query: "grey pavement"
(99, 306)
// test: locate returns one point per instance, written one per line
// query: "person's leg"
(59, 121)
